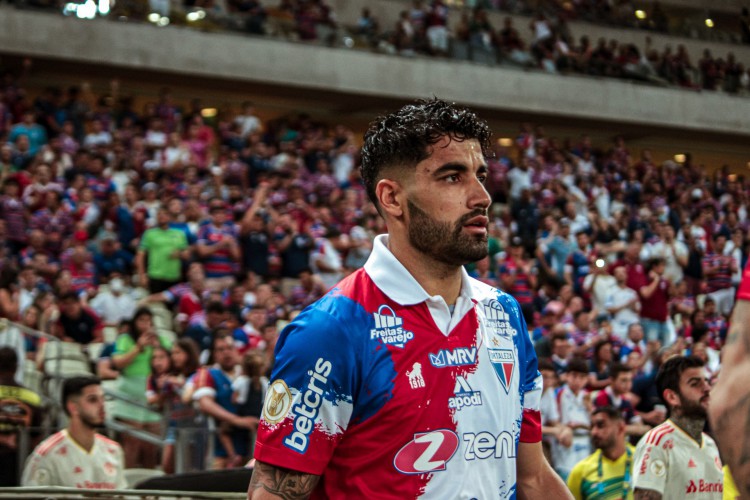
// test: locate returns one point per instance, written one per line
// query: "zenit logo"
(427, 452)
(306, 410)
(464, 395)
(389, 328)
(459, 356)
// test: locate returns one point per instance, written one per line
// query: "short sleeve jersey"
(60, 461)
(369, 392)
(598, 478)
(670, 462)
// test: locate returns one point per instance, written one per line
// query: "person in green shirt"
(132, 357)
(165, 247)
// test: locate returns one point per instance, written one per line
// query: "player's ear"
(389, 194)
(671, 397)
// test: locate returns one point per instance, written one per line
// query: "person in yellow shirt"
(606, 473)
(730, 489)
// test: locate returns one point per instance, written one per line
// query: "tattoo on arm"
(641, 494)
(284, 483)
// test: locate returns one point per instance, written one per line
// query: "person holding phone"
(132, 357)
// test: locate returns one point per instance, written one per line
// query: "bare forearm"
(730, 399)
(543, 484)
(271, 483)
(641, 494)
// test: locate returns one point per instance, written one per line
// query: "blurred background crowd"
(171, 249)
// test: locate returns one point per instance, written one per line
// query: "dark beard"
(90, 422)
(443, 243)
(692, 410)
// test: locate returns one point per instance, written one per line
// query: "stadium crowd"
(193, 244)
(426, 29)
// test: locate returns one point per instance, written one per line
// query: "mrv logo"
(389, 328)
(498, 319)
(306, 410)
(459, 356)
(464, 395)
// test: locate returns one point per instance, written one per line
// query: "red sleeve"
(531, 426)
(743, 293)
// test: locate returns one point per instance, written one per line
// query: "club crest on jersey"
(460, 356)
(464, 395)
(389, 328)
(503, 361)
(497, 319)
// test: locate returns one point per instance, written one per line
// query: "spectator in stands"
(326, 260)
(77, 456)
(601, 364)
(213, 393)
(573, 406)
(77, 323)
(718, 270)
(111, 258)
(132, 357)
(13, 213)
(655, 298)
(217, 247)
(622, 304)
(165, 248)
(20, 409)
(202, 330)
(115, 303)
(35, 133)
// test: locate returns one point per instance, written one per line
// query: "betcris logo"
(460, 356)
(306, 410)
(389, 328)
(464, 395)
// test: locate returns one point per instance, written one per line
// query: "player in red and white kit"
(730, 398)
(77, 456)
(410, 379)
(676, 459)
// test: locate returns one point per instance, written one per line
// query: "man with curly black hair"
(410, 379)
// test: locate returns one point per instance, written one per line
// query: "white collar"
(396, 281)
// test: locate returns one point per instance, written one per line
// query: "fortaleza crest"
(503, 361)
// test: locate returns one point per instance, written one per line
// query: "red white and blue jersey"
(383, 392)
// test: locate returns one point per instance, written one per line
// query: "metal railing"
(58, 493)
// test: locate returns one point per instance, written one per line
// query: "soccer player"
(676, 458)
(730, 401)
(77, 456)
(606, 473)
(409, 379)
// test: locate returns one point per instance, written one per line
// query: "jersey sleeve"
(38, 472)
(650, 465)
(574, 481)
(743, 292)
(531, 386)
(310, 400)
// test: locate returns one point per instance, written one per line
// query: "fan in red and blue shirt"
(217, 244)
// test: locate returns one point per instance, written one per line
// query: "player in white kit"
(676, 460)
(77, 456)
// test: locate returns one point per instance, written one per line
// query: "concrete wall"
(234, 57)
